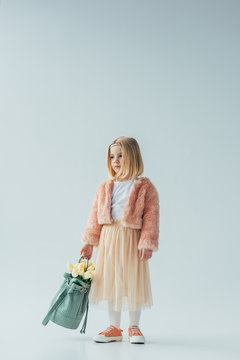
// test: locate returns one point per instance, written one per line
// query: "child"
(124, 226)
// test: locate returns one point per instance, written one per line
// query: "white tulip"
(74, 272)
(87, 275)
(70, 266)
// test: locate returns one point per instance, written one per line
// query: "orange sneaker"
(135, 336)
(112, 333)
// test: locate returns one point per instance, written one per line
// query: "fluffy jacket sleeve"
(150, 225)
(92, 231)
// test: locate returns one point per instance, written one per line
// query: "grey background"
(74, 76)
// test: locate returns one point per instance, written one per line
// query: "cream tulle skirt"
(121, 280)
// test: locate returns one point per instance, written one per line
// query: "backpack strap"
(85, 320)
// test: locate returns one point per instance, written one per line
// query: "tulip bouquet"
(82, 270)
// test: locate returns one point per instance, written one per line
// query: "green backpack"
(70, 303)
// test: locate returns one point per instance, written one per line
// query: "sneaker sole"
(136, 340)
(104, 339)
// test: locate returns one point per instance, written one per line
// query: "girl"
(124, 226)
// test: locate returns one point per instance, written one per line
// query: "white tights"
(115, 317)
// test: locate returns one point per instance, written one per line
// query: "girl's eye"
(113, 156)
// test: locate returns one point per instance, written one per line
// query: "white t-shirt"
(121, 191)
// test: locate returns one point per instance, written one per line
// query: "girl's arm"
(150, 225)
(93, 229)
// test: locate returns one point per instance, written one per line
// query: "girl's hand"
(86, 251)
(145, 254)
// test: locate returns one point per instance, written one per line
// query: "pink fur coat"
(141, 212)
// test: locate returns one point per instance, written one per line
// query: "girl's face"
(116, 157)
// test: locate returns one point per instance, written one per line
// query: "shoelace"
(109, 328)
(135, 330)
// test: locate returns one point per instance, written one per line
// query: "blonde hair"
(132, 163)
